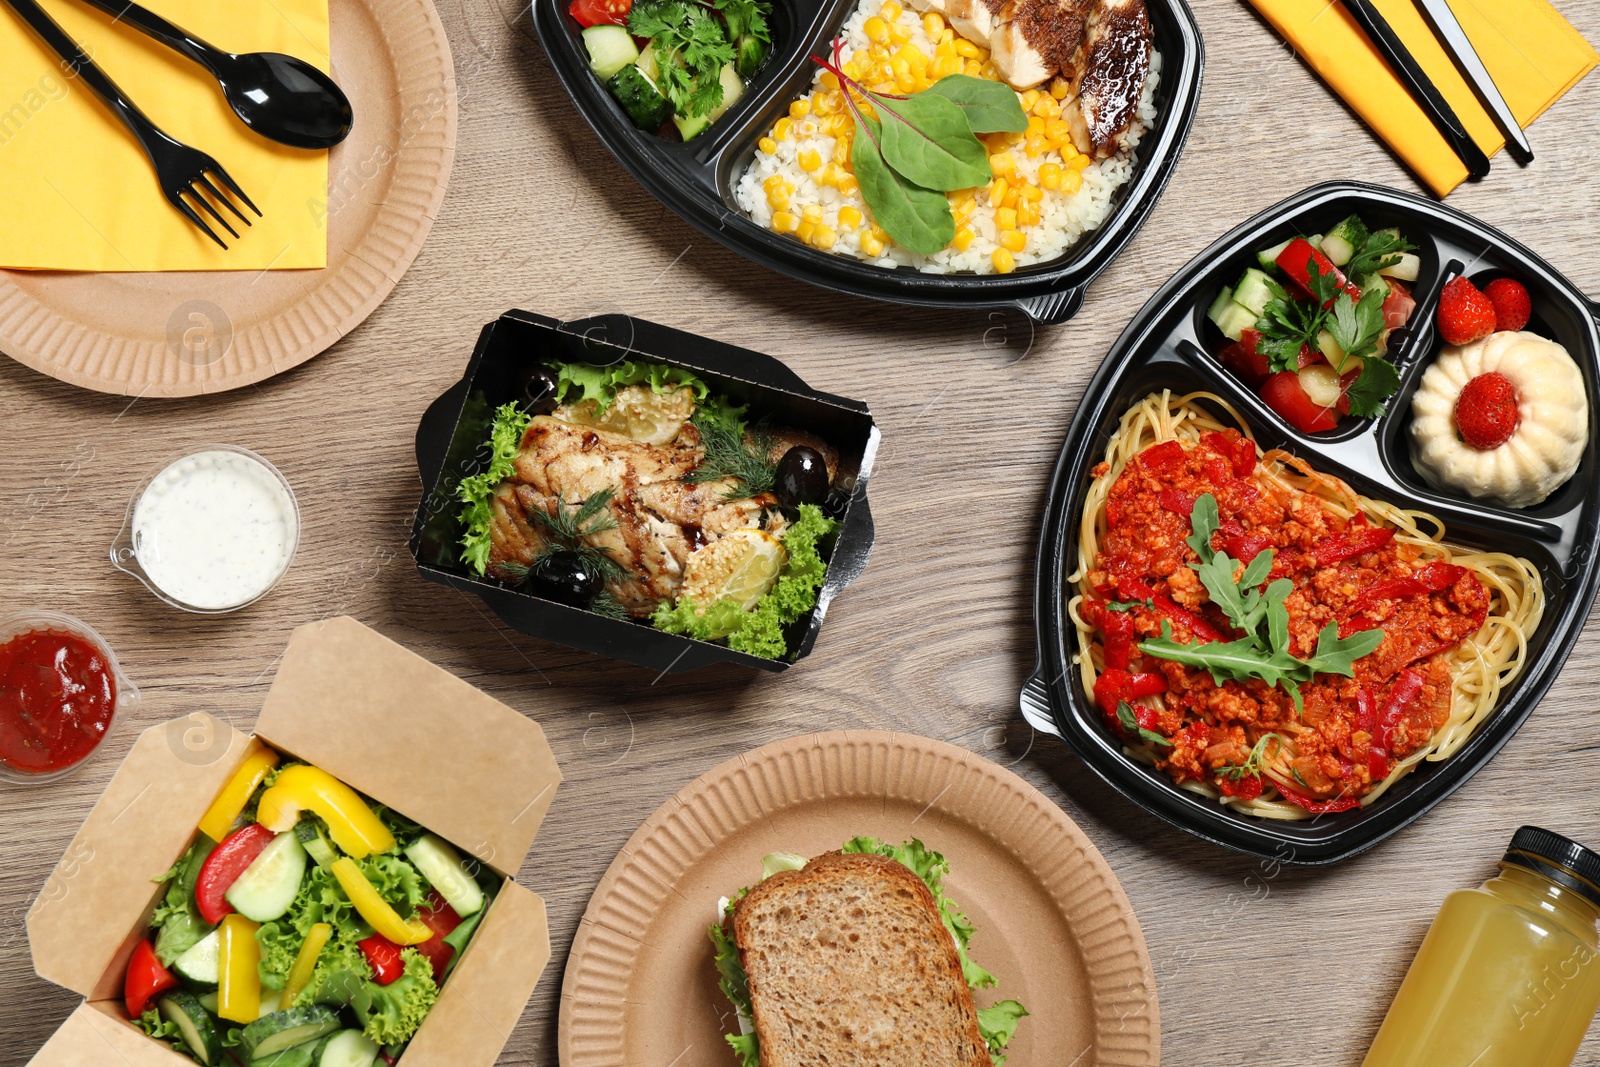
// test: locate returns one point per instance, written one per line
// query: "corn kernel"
(1006, 218)
(876, 30)
(966, 49)
(871, 245)
(800, 108)
(964, 237)
(1081, 161)
(1030, 98)
(1028, 213)
(850, 217)
(945, 50)
(782, 128)
(822, 105)
(997, 192)
(1003, 163)
(879, 232)
(1013, 240)
(1058, 130)
(1036, 147)
(1004, 262)
(1071, 181)
(899, 34)
(841, 149)
(1030, 192)
(830, 81)
(1046, 107)
(785, 221)
(948, 37)
(778, 198)
(850, 187)
(858, 65)
(943, 67)
(988, 72)
(1059, 89)
(824, 237)
(812, 212)
(933, 24)
(768, 145)
(809, 159)
(973, 68)
(890, 11)
(806, 230)
(1010, 199)
(1050, 175)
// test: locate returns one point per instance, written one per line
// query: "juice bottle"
(1508, 975)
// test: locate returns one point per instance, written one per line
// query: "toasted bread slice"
(849, 964)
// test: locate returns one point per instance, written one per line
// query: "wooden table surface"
(934, 639)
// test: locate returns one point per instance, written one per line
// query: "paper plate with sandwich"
(828, 899)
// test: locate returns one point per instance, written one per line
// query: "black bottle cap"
(1560, 859)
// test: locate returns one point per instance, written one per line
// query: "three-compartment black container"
(696, 179)
(1170, 345)
(452, 436)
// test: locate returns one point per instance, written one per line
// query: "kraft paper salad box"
(365, 710)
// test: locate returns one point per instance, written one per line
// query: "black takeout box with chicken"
(452, 446)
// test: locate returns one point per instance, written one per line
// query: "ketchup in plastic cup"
(60, 691)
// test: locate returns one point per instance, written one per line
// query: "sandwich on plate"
(856, 957)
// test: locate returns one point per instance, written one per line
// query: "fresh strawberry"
(1465, 314)
(1486, 411)
(1512, 307)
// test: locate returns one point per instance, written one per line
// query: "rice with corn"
(1044, 196)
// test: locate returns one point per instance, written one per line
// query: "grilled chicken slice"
(937, 6)
(575, 462)
(1109, 78)
(1034, 39)
(514, 542)
(972, 19)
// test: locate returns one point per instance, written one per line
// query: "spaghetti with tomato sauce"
(1454, 623)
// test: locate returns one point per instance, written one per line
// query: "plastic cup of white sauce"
(211, 530)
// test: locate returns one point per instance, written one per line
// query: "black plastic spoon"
(282, 98)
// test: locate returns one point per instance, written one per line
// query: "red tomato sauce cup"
(61, 691)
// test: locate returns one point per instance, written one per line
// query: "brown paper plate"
(186, 333)
(1053, 924)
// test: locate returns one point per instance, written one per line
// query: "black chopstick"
(1422, 89)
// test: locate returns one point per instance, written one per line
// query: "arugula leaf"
(1130, 723)
(1278, 614)
(1337, 655)
(1379, 380)
(1379, 251)
(1204, 520)
(1227, 661)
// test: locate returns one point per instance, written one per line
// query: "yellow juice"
(1507, 976)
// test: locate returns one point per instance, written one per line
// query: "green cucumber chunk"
(610, 49)
(640, 98)
(299, 1056)
(315, 842)
(280, 1030)
(196, 1026)
(1406, 269)
(443, 869)
(1268, 257)
(1235, 320)
(199, 963)
(268, 886)
(1256, 291)
(348, 1048)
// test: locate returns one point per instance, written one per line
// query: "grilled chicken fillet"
(1034, 39)
(1109, 79)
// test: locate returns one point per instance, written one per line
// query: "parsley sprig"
(1264, 655)
(691, 50)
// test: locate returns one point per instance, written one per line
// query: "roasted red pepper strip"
(1315, 806)
(1115, 686)
(1165, 458)
(1176, 500)
(1354, 542)
(1432, 578)
(224, 866)
(1242, 546)
(1244, 458)
(1405, 689)
(145, 980)
(1202, 630)
(383, 956)
(1367, 719)
(1293, 262)
(1248, 787)
(1118, 629)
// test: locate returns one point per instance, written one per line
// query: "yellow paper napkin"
(1533, 53)
(78, 191)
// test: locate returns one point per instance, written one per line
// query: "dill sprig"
(566, 530)
(1256, 761)
(734, 450)
(604, 603)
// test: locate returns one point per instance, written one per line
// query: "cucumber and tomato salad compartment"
(675, 66)
(1308, 326)
(304, 926)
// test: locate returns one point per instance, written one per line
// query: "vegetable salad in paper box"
(325, 907)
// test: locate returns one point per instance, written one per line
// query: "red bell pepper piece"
(1135, 589)
(1352, 543)
(224, 866)
(1405, 689)
(1431, 578)
(1165, 458)
(1176, 500)
(1244, 458)
(1246, 787)
(1367, 720)
(441, 918)
(383, 956)
(145, 979)
(1293, 261)
(1118, 629)
(1202, 630)
(1114, 686)
(1240, 545)
(1315, 806)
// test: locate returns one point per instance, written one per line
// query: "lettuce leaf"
(998, 1025)
(390, 1014)
(341, 972)
(152, 1023)
(577, 382)
(396, 881)
(177, 922)
(505, 437)
(760, 631)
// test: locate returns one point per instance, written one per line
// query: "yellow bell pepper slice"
(355, 829)
(373, 908)
(238, 976)
(218, 819)
(305, 962)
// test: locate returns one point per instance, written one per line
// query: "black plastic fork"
(180, 170)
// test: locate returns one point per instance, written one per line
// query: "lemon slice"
(639, 412)
(742, 566)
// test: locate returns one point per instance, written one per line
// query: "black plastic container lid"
(1560, 859)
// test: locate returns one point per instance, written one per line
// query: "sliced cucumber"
(299, 1056)
(1374, 281)
(195, 1025)
(1220, 304)
(1235, 320)
(690, 128)
(315, 842)
(1268, 257)
(285, 1029)
(1256, 290)
(647, 63)
(348, 1048)
(199, 964)
(1342, 241)
(640, 98)
(208, 1001)
(1406, 270)
(732, 91)
(610, 49)
(267, 887)
(443, 869)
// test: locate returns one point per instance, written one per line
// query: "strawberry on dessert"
(1504, 418)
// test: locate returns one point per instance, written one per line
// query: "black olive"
(537, 390)
(802, 477)
(566, 579)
